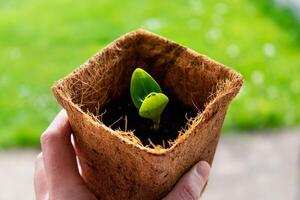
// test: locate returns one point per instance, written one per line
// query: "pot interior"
(190, 79)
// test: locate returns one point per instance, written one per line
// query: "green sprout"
(147, 96)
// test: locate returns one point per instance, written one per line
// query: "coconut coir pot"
(115, 163)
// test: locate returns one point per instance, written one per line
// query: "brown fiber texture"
(115, 165)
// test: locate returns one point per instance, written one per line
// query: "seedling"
(147, 96)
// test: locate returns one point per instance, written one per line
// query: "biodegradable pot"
(115, 165)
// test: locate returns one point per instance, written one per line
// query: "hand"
(56, 171)
(57, 175)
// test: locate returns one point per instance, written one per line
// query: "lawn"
(41, 41)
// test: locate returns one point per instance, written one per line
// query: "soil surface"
(173, 119)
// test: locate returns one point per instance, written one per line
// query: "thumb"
(191, 184)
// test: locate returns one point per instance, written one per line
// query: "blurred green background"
(42, 41)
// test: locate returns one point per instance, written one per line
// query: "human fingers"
(191, 184)
(40, 179)
(59, 157)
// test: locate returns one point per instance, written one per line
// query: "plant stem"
(156, 123)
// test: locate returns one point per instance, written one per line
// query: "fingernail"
(203, 169)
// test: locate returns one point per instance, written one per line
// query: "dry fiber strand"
(115, 165)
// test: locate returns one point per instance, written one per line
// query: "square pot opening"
(192, 79)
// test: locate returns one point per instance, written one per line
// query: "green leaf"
(153, 106)
(141, 85)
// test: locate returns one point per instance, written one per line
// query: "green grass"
(41, 41)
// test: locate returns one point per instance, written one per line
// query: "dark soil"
(173, 119)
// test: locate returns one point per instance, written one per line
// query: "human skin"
(57, 175)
